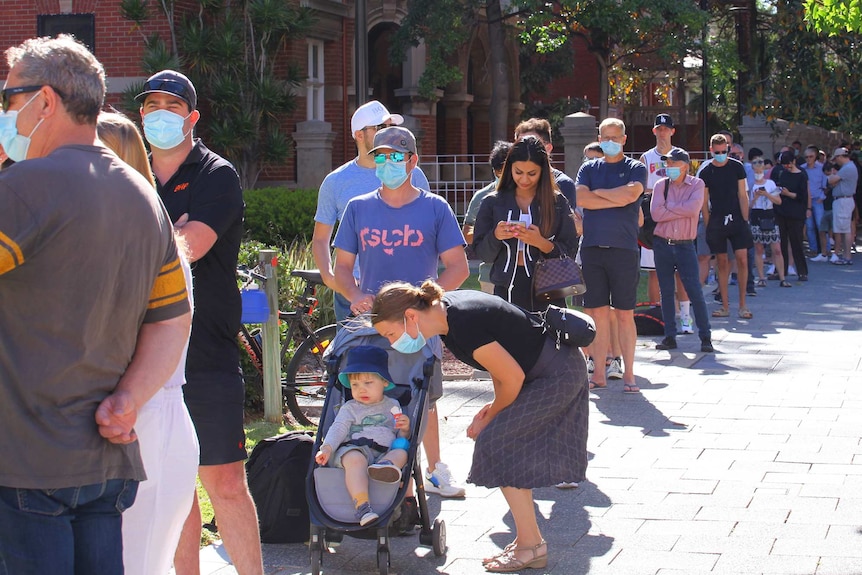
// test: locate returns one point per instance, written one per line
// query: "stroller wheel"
(383, 561)
(316, 545)
(315, 561)
(438, 534)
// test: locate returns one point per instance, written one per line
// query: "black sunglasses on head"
(169, 86)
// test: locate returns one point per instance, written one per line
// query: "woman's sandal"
(721, 312)
(594, 385)
(744, 313)
(785, 283)
(506, 550)
(508, 563)
(761, 283)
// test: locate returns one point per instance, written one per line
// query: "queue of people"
(159, 397)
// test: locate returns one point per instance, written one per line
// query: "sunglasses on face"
(376, 128)
(719, 152)
(7, 93)
(394, 156)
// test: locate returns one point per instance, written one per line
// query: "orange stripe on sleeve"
(169, 287)
(11, 255)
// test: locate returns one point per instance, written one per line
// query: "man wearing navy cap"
(202, 194)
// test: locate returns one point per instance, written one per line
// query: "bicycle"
(304, 373)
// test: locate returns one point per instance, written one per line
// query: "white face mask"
(164, 129)
(14, 144)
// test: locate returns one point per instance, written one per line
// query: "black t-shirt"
(207, 188)
(793, 208)
(476, 319)
(723, 185)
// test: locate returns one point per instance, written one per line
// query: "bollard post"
(273, 403)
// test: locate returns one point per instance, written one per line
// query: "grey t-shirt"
(87, 255)
(357, 421)
(846, 188)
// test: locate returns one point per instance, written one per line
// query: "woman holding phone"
(525, 219)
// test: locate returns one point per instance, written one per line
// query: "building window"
(315, 80)
(81, 26)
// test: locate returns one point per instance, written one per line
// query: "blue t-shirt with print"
(397, 243)
(612, 227)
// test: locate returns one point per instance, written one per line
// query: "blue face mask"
(392, 174)
(164, 129)
(407, 344)
(720, 158)
(611, 148)
(14, 144)
(673, 173)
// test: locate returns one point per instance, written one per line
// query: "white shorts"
(169, 448)
(647, 259)
(842, 214)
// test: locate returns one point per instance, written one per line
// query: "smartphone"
(517, 223)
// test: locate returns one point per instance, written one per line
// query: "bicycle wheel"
(306, 377)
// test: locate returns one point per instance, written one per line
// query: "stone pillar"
(579, 129)
(313, 140)
(756, 133)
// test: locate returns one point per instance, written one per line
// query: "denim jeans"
(681, 257)
(73, 530)
(812, 224)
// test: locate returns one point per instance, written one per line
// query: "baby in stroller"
(369, 433)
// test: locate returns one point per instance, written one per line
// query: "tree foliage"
(230, 51)
(834, 17)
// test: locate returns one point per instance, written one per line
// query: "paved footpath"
(746, 461)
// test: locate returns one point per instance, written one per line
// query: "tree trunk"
(498, 111)
(604, 87)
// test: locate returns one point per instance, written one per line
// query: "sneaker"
(384, 471)
(706, 346)
(732, 280)
(834, 258)
(365, 515)
(771, 270)
(666, 343)
(686, 326)
(567, 485)
(751, 292)
(819, 258)
(440, 482)
(716, 298)
(615, 368)
(591, 367)
(791, 271)
(407, 519)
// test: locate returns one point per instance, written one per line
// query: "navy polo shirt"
(207, 188)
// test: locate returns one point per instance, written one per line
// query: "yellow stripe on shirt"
(169, 287)
(11, 255)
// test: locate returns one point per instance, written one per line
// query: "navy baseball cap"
(366, 359)
(677, 155)
(173, 83)
(663, 120)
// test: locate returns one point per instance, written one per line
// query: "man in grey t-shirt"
(843, 192)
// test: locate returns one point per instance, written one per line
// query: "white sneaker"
(771, 270)
(834, 258)
(440, 482)
(591, 367)
(819, 258)
(615, 369)
(791, 271)
(685, 325)
(567, 485)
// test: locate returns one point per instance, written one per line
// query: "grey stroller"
(330, 506)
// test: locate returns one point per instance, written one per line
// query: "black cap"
(663, 120)
(173, 83)
(677, 155)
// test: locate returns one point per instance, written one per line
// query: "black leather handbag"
(568, 327)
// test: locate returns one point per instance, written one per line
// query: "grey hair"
(68, 67)
(613, 122)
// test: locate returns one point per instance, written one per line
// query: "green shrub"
(279, 216)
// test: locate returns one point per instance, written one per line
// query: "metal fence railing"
(456, 177)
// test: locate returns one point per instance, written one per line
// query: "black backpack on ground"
(648, 319)
(276, 473)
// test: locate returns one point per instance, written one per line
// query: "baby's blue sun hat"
(366, 359)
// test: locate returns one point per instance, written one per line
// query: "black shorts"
(215, 401)
(737, 233)
(611, 276)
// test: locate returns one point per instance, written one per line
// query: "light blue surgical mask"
(392, 174)
(408, 344)
(611, 148)
(14, 144)
(720, 158)
(673, 173)
(164, 129)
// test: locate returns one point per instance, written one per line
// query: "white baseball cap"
(373, 113)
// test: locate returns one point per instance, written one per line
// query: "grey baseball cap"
(396, 138)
